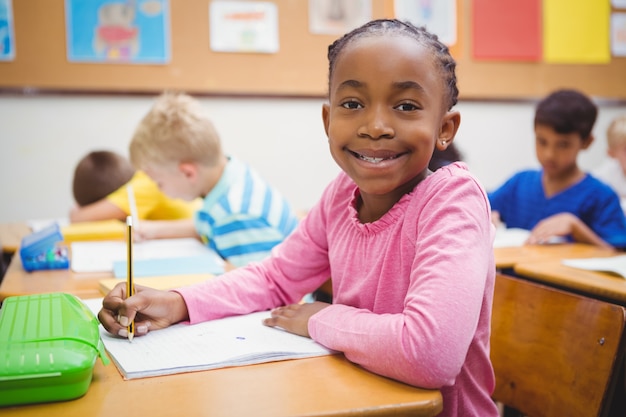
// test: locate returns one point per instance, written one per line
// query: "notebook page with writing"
(232, 341)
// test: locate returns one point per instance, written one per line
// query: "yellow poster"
(576, 31)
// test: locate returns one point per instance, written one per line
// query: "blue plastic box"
(44, 250)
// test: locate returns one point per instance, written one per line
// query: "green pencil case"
(49, 344)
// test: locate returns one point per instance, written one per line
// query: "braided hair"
(396, 27)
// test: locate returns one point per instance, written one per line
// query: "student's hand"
(151, 309)
(556, 226)
(495, 219)
(295, 317)
(145, 230)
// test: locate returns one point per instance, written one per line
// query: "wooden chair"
(554, 353)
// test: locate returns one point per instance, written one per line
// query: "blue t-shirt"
(522, 203)
(243, 217)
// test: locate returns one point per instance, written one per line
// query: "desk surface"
(508, 257)
(596, 284)
(11, 235)
(17, 281)
(323, 386)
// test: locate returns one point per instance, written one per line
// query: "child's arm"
(495, 218)
(564, 224)
(165, 229)
(100, 210)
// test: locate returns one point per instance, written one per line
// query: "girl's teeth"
(370, 159)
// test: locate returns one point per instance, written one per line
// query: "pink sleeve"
(297, 266)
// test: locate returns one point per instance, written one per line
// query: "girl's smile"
(377, 157)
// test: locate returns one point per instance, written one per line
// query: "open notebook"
(232, 341)
(614, 264)
(150, 258)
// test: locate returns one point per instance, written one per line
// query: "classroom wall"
(43, 136)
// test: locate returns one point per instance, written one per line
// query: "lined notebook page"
(232, 341)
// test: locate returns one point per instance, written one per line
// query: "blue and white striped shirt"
(243, 217)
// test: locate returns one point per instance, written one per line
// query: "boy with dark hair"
(98, 174)
(99, 190)
(560, 200)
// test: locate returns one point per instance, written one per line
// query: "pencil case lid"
(43, 250)
(40, 241)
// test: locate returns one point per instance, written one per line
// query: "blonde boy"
(613, 170)
(242, 217)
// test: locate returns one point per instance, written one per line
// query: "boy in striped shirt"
(242, 217)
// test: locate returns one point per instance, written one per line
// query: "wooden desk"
(323, 386)
(602, 285)
(326, 386)
(17, 281)
(508, 257)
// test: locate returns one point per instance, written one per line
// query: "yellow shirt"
(152, 204)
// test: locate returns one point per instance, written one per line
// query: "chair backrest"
(554, 353)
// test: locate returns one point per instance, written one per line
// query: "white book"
(515, 237)
(102, 255)
(231, 341)
(614, 264)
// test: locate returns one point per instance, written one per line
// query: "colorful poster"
(618, 34)
(576, 31)
(336, 17)
(438, 16)
(243, 26)
(507, 30)
(7, 48)
(122, 31)
(619, 4)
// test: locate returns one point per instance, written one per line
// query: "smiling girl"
(409, 251)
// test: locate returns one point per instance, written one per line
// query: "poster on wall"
(619, 4)
(336, 17)
(114, 31)
(438, 16)
(507, 30)
(576, 32)
(243, 26)
(7, 46)
(618, 34)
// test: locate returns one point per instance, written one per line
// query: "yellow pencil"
(130, 285)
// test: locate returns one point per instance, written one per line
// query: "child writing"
(560, 200)
(613, 170)
(100, 191)
(410, 301)
(241, 216)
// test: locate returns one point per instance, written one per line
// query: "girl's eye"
(406, 107)
(351, 105)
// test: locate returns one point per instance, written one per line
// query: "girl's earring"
(443, 142)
